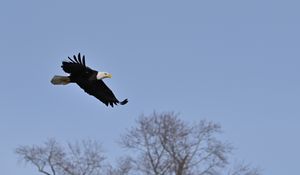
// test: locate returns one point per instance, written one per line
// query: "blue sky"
(232, 62)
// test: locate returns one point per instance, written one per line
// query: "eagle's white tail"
(60, 80)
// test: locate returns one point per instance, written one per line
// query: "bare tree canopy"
(123, 167)
(84, 158)
(159, 144)
(164, 144)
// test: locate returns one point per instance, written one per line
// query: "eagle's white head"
(102, 75)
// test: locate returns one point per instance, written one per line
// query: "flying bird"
(89, 80)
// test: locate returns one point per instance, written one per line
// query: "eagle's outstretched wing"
(75, 65)
(98, 89)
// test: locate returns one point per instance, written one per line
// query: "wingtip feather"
(74, 57)
(83, 60)
(124, 102)
(79, 58)
(71, 60)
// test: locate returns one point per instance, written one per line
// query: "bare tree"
(123, 167)
(84, 158)
(161, 144)
(244, 169)
(165, 145)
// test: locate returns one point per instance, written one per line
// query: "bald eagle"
(88, 79)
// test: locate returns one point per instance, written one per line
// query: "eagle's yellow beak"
(108, 76)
